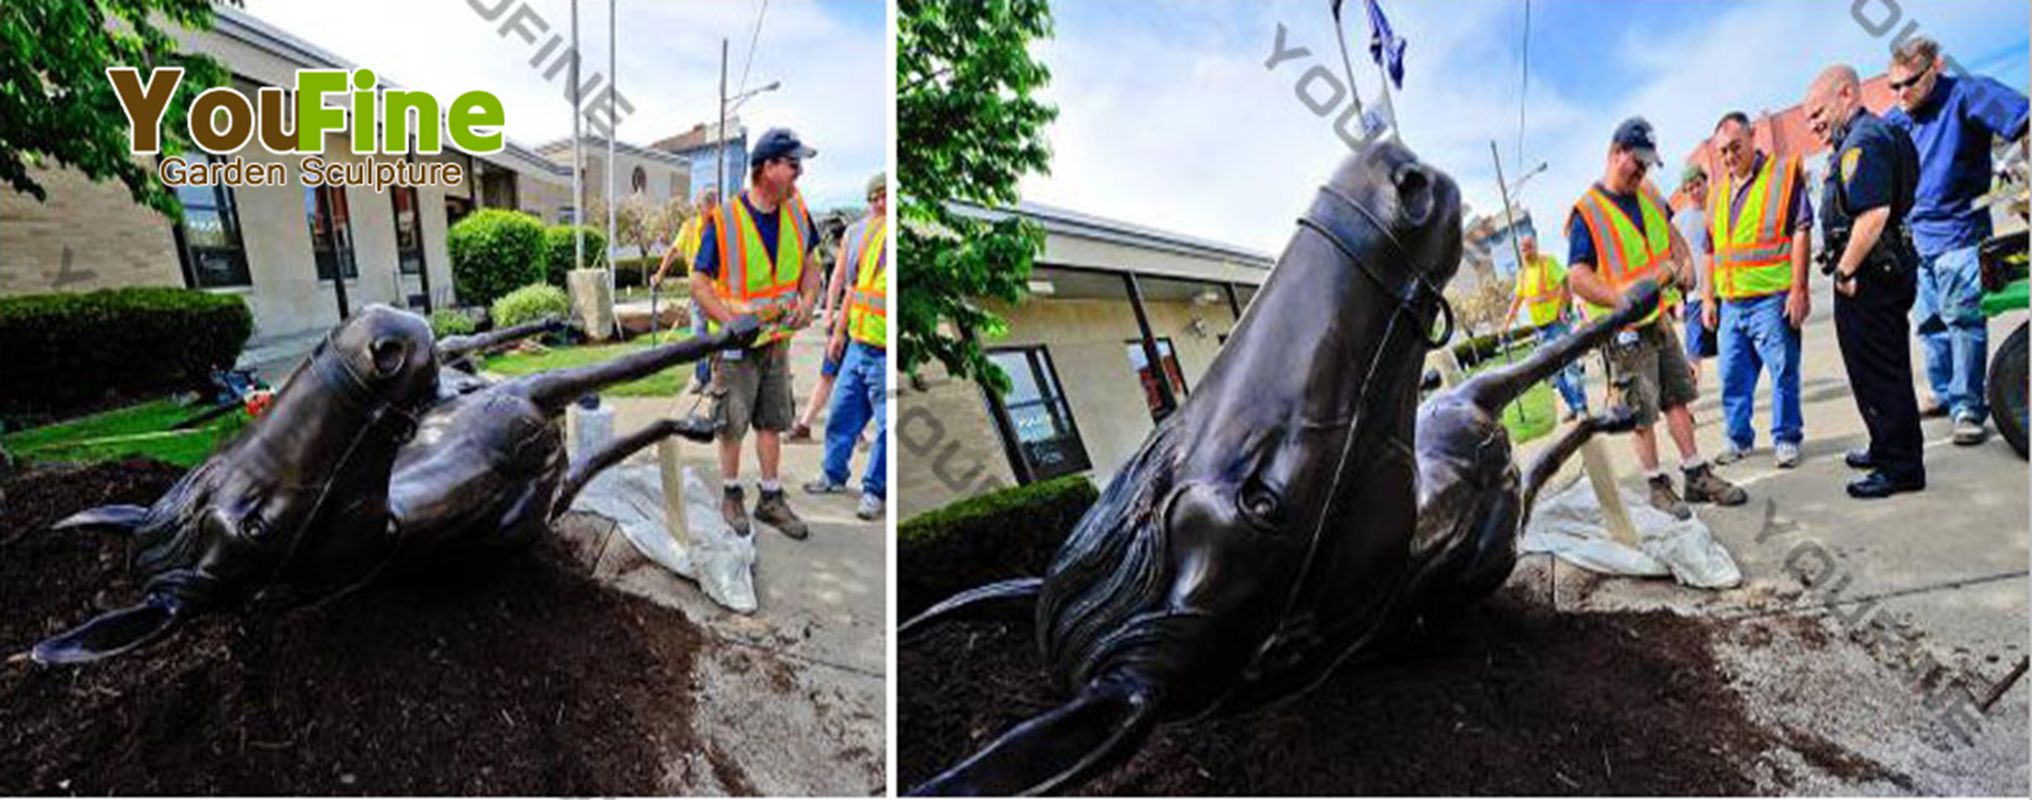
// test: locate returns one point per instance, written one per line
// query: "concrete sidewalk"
(794, 694)
(1937, 576)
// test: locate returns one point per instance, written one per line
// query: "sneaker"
(1703, 486)
(870, 508)
(1731, 454)
(774, 509)
(1666, 500)
(1787, 455)
(733, 509)
(824, 485)
(1969, 431)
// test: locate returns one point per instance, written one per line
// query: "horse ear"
(111, 633)
(120, 519)
(1052, 751)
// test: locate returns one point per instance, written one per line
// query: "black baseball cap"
(779, 143)
(1635, 134)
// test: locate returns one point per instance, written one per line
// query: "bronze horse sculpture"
(375, 454)
(1292, 513)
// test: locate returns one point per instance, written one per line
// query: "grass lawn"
(142, 429)
(663, 384)
(1533, 415)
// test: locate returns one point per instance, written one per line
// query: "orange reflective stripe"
(1619, 267)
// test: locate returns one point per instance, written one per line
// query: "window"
(208, 240)
(408, 230)
(639, 180)
(331, 231)
(1176, 377)
(1039, 418)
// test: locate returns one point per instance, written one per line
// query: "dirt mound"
(515, 676)
(1513, 701)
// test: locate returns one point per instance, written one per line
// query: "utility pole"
(720, 133)
(578, 212)
(613, 130)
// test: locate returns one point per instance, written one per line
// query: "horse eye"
(254, 527)
(1260, 505)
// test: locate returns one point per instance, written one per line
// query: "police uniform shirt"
(1875, 166)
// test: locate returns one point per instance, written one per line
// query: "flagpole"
(613, 130)
(578, 213)
(1354, 92)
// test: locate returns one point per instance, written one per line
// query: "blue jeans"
(1569, 381)
(1755, 338)
(859, 396)
(1949, 317)
(704, 370)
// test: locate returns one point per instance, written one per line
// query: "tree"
(57, 104)
(968, 129)
(645, 222)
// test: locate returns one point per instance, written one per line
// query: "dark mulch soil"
(519, 676)
(1513, 700)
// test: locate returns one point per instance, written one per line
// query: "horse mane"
(1113, 564)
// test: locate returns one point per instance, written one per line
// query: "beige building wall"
(945, 433)
(86, 236)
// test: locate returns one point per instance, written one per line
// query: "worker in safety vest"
(1619, 234)
(751, 261)
(860, 344)
(845, 263)
(686, 248)
(1542, 294)
(1760, 227)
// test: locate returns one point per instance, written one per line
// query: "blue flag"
(1385, 46)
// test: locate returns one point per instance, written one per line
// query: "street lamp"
(720, 145)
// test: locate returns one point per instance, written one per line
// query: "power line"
(1524, 93)
(749, 60)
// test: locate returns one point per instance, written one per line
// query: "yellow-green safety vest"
(1752, 244)
(751, 282)
(1538, 288)
(868, 307)
(1627, 255)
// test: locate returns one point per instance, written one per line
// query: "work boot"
(1666, 500)
(1703, 486)
(733, 509)
(773, 508)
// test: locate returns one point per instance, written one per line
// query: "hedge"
(561, 248)
(450, 322)
(1004, 534)
(529, 304)
(68, 352)
(495, 251)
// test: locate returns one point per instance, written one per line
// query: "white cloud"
(835, 77)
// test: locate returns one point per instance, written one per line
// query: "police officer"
(1872, 173)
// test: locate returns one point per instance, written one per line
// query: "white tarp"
(1569, 526)
(719, 560)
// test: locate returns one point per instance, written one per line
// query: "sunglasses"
(1899, 86)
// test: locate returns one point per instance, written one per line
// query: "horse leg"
(585, 467)
(552, 391)
(1496, 388)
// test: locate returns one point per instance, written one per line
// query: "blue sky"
(832, 57)
(1168, 117)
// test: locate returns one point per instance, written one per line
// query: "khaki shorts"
(752, 391)
(1650, 374)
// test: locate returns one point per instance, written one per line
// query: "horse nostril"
(1414, 193)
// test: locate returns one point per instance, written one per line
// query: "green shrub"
(558, 242)
(70, 351)
(531, 303)
(448, 322)
(1003, 534)
(494, 251)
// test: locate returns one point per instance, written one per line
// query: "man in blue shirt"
(1952, 121)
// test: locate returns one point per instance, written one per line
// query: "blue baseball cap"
(1635, 134)
(779, 143)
